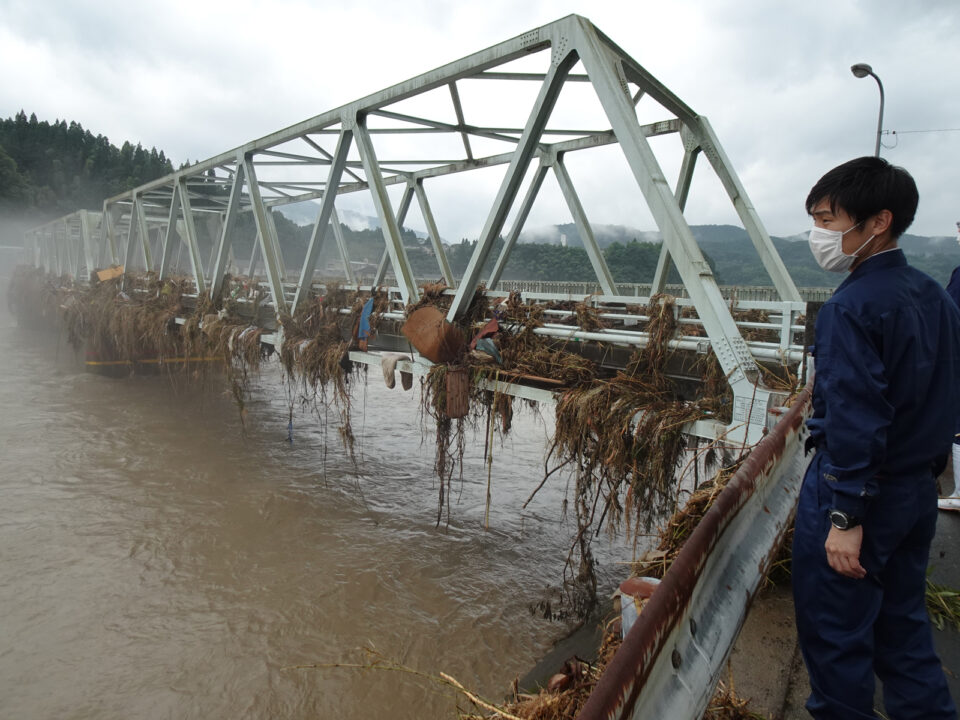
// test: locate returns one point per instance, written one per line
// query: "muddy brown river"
(160, 560)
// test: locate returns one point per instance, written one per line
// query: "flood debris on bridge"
(639, 381)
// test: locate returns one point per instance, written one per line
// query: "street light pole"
(861, 70)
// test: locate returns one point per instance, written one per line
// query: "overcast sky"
(197, 78)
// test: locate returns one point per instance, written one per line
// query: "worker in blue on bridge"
(952, 502)
(953, 287)
(885, 410)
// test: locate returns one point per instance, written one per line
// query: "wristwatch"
(842, 521)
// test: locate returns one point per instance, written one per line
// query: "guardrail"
(672, 657)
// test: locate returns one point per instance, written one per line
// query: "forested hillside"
(51, 169)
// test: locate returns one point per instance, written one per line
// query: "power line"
(905, 132)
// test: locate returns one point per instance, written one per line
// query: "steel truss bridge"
(512, 107)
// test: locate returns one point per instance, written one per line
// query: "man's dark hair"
(865, 186)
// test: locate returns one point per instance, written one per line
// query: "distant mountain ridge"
(736, 261)
(729, 248)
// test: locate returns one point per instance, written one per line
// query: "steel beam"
(337, 164)
(180, 231)
(664, 263)
(587, 142)
(190, 231)
(155, 234)
(75, 246)
(381, 270)
(269, 245)
(404, 207)
(748, 215)
(434, 234)
(732, 352)
(514, 234)
(316, 146)
(388, 221)
(583, 227)
(254, 257)
(629, 70)
(546, 99)
(223, 245)
(214, 224)
(537, 77)
(342, 247)
(401, 217)
(278, 249)
(89, 249)
(458, 109)
(108, 233)
(131, 240)
(143, 233)
(171, 235)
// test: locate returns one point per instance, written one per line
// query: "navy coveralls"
(885, 405)
(953, 287)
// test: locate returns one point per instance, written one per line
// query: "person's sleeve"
(851, 377)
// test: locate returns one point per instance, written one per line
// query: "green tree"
(14, 188)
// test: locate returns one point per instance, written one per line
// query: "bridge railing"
(741, 292)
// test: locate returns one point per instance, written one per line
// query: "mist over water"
(159, 560)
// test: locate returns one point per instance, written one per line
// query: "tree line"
(53, 169)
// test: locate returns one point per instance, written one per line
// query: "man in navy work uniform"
(953, 501)
(885, 402)
(953, 287)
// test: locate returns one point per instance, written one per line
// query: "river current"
(159, 558)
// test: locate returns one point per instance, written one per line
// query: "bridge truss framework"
(374, 143)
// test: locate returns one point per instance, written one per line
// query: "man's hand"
(843, 551)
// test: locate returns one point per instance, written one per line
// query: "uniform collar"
(881, 261)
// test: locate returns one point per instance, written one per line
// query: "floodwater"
(159, 560)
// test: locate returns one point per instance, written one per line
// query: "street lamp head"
(861, 70)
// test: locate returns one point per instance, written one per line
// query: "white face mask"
(827, 248)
